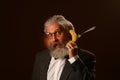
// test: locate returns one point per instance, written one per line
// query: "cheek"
(47, 43)
(62, 39)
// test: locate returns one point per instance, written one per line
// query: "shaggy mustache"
(58, 52)
(57, 43)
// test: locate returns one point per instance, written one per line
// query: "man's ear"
(69, 36)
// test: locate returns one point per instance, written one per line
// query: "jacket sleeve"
(36, 71)
(86, 64)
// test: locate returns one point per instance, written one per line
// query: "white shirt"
(56, 67)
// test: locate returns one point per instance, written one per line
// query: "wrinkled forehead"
(53, 27)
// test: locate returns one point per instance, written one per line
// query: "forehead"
(53, 27)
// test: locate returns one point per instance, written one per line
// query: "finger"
(69, 46)
(73, 44)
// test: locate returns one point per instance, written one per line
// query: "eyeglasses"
(56, 34)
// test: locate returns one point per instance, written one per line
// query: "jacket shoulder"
(85, 54)
(87, 57)
(42, 54)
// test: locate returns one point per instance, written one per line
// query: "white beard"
(58, 52)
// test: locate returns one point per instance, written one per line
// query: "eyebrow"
(55, 30)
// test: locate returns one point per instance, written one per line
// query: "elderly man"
(63, 60)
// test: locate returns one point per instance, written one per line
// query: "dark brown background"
(22, 33)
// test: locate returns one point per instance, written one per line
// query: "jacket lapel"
(45, 61)
(66, 71)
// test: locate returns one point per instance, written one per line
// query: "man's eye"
(58, 32)
(48, 34)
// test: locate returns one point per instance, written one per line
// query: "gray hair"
(67, 25)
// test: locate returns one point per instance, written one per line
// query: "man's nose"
(54, 37)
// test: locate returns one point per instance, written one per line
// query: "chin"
(59, 52)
